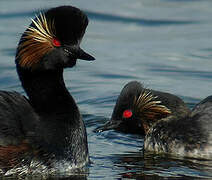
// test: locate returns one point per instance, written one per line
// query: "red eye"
(56, 42)
(127, 113)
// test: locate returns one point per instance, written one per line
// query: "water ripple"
(138, 21)
(182, 72)
(17, 14)
(8, 51)
(114, 76)
(110, 17)
(138, 165)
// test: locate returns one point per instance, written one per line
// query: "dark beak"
(108, 126)
(85, 56)
(76, 52)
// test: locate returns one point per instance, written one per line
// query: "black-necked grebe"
(46, 131)
(189, 136)
(138, 108)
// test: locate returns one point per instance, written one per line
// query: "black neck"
(47, 91)
(61, 126)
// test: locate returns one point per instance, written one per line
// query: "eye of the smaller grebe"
(56, 42)
(127, 113)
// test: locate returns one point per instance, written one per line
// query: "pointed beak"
(76, 52)
(108, 126)
(85, 56)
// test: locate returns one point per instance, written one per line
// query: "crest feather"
(37, 41)
(147, 106)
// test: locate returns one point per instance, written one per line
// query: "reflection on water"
(139, 165)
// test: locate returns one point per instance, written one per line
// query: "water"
(165, 44)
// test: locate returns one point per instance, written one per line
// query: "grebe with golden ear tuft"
(45, 132)
(138, 108)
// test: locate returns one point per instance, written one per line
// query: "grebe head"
(53, 39)
(136, 110)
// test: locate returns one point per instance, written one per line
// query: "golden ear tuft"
(150, 108)
(37, 41)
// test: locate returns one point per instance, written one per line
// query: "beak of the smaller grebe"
(108, 126)
(76, 52)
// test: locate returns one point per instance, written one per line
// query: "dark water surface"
(165, 44)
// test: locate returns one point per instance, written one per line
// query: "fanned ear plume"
(150, 108)
(37, 41)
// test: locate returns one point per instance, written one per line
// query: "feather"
(147, 106)
(37, 41)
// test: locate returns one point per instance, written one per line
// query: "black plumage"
(167, 124)
(189, 136)
(45, 130)
(147, 106)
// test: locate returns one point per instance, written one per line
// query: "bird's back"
(17, 120)
(190, 135)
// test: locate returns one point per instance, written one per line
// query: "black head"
(53, 40)
(135, 110)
